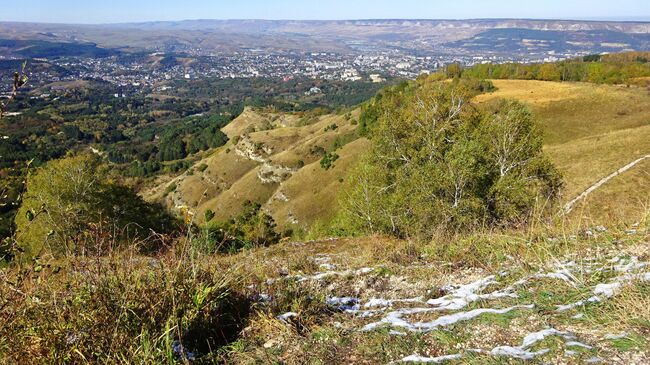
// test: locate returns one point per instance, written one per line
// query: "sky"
(120, 11)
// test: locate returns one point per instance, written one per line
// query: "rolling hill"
(273, 159)
(589, 130)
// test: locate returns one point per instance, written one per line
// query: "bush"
(209, 215)
(439, 163)
(251, 228)
(317, 151)
(331, 127)
(119, 311)
(71, 201)
(327, 162)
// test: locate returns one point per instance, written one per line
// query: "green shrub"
(170, 188)
(439, 163)
(251, 228)
(331, 127)
(71, 202)
(327, 162)
(209, 215)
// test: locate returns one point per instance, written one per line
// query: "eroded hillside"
(272, 159)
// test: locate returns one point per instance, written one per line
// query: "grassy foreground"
(310, 302)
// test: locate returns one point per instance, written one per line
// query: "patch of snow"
(523, 352)
(396, 333)
(611, 336)
(369, 313)
(566, 307)
(463, 295)
(395, 318)
(285, 317)
(262, 298)
(375, 302)
(433, 360)
(578, 344)
(563, 274)
(378, 302)
(535, 337)
(607, 290)
(327, 266)
(516, 352)
(629, 269)
(364, 270)
(345, 304)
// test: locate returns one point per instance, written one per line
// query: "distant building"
(313, 91)
(376, 78)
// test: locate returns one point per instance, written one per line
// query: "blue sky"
(114, 11)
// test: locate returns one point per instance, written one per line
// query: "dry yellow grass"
(626, 197)
(223, 181)
(537, 93)
(569, 111)
(312, 191)
(591, 131)
(585, 161)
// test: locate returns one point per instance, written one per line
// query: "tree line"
(607, 69)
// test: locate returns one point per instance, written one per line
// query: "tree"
(10, 191)
(68, 200)
(19, 80)
(251, 228)
(438, 162)
(254, 226)
(454, 70)
(513, 146)
(549, 72)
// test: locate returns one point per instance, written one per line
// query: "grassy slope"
(230, 178)
(591, 131)
(402, 270)
(569, 111)
(627, 195)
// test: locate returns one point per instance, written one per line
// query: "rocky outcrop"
(269, 172)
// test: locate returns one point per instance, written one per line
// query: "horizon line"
(637, 19)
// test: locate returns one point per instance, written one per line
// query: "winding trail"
(570, 205)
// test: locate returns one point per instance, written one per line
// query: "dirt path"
(570, 205)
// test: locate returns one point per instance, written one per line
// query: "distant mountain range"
(350, 36)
